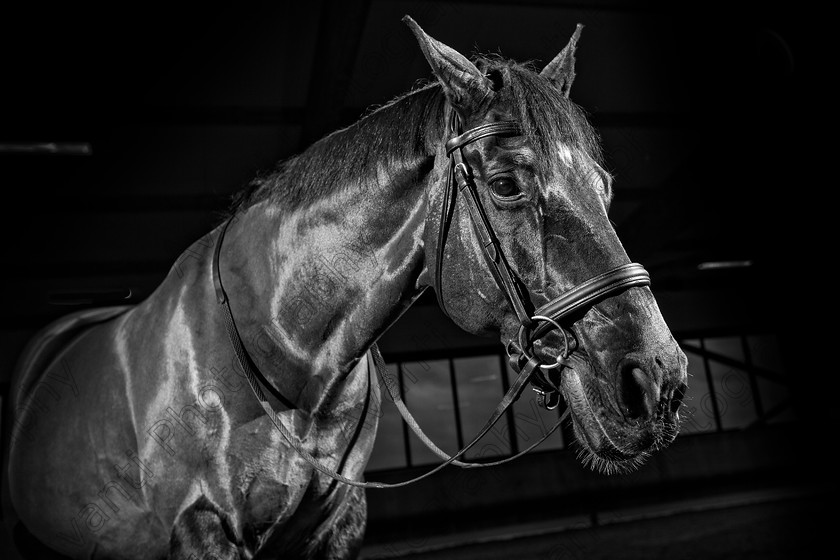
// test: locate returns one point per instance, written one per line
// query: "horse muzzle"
(557, 315)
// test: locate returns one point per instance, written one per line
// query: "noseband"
(559, 313)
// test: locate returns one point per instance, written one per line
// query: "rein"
(557, 314)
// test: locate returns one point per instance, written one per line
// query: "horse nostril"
(639, 393)
(676, 400)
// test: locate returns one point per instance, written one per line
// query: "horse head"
(534, 165)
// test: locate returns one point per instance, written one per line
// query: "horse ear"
(465, 85)
(561, 70)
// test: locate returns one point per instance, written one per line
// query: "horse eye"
(505, 187)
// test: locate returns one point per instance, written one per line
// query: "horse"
(231, 413)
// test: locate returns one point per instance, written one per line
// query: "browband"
(501, 128)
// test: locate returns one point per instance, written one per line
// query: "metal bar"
(405, 428)
(711, 384)
(459, 430)
(729, 361)
(47, 148)
(514, 441)
(756, 394)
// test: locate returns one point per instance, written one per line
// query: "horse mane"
(411, 126)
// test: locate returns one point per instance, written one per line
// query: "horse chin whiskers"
(607, 465)
(609, 459)
(668, 429)
(609, 445)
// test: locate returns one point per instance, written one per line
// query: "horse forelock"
(548, 118)
(410, 125)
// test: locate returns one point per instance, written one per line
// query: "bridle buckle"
(547, 399)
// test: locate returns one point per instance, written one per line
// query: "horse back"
(47, 344)
(72, 441)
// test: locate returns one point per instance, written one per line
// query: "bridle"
(554, 315)
(557, 314)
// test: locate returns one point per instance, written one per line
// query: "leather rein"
(557, 314)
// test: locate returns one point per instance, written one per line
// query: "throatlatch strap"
(491, 248)
(443, 233)
(460, 173)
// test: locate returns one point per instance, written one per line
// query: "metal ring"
(555, 365)
(565, 354)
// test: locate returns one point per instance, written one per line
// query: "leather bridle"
(557, 314)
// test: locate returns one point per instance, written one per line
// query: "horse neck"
(311, 289)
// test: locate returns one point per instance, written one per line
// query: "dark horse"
(136, 434)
